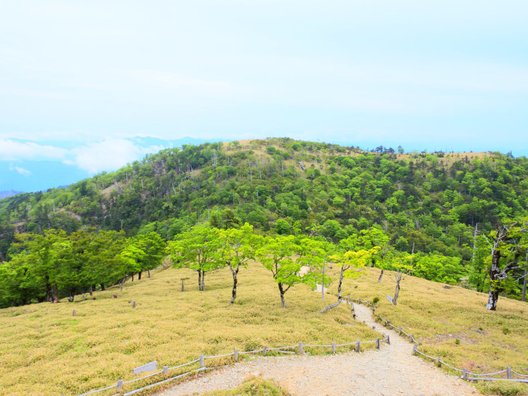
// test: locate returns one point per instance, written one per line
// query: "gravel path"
(390, 371)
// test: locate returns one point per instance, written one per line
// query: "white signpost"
(151, 366)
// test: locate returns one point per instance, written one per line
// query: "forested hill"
(424, 202)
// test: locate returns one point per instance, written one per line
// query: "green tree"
(509, 246)
(197, 249)
(237, 248)
(278, 255)
(315, 253)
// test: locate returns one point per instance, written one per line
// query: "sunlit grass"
(46, 350)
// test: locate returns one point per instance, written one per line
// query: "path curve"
(390, 371)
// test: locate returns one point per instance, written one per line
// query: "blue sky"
(87, 86)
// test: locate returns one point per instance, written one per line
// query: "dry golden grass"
(45, 350)
(452, 322)
(253, 387)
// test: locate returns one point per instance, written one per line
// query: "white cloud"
(104, 155)
(12, 150)
(19, 170)
(108, 155)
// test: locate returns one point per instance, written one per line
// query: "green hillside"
(425, 203)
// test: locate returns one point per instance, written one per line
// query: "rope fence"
(508, 373)
(300, 348)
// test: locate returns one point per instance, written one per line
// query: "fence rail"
(508, 372)
(235, 355)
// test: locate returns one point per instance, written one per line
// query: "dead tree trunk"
(340, 284)
(399, 277)
(380, 276)
(523, 293)
(494, 273)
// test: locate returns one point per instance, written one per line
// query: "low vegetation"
(253, 387)
(44, 349)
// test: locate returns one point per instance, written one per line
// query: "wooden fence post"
(202, 361)
(120, 384)
(334, 348)
(358, 346)
(388, 339)
(301, 348)
(377, 343)
(235, 355)
(508, 372)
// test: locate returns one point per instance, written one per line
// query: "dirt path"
(390, 371)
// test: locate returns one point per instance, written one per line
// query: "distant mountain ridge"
(10, 193)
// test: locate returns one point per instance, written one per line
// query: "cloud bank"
(105, 155)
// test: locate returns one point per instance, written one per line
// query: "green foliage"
(237, 246)
(315, 254)
(415, 202)
(279, 255)
(197, 249)
(478, 269)
(438, 268)
(54, 264)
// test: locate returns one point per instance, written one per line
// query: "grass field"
(45, 350)
(452, 322)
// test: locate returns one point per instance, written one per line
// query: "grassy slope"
(45, 350)
(438, 317)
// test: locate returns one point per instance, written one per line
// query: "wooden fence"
(508, 374)
(167, 374)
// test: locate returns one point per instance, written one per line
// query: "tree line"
(55, 264)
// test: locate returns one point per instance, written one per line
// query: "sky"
(88, 85)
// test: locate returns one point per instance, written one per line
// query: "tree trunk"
(235, 282)
(323, 284)
(103, 287)
(523, 294)
(201, 280)
(493, 297)
(340, 285)
(397, 289)
(132, 277)
(281, 291)
(380, 276)
(139, 275)
(148, 272)
(54, 294)
(494, 273)
(71, 297)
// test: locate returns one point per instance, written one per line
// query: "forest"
(457, 218)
